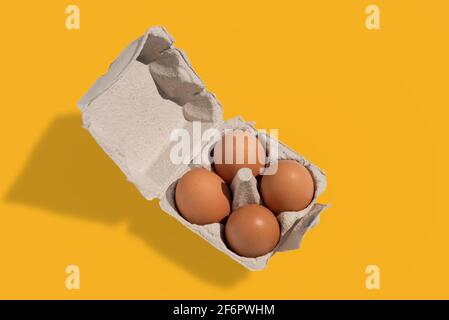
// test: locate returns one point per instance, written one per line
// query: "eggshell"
(252, 231)
(238, 149)
(202, 197)
(291, 188)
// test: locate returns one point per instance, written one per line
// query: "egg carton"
(150, 90)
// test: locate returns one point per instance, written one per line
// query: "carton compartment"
(245, 190)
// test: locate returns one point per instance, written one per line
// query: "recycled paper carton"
(149, 91)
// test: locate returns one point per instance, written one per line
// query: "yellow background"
(369, 107)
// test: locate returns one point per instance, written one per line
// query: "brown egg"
(291, 188)
(202, 197)
(238, 149)
(252, 231)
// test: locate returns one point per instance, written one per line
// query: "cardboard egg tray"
(151, 90)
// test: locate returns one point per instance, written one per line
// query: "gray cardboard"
(244, 189)
(150, 90)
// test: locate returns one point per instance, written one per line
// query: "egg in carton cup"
(149, 91)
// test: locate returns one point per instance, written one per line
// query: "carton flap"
(149, 91)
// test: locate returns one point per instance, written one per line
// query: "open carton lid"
(149, 91)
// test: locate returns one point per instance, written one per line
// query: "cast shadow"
(69, 174)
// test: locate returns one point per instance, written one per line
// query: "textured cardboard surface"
(150, 90)
(244, 189)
